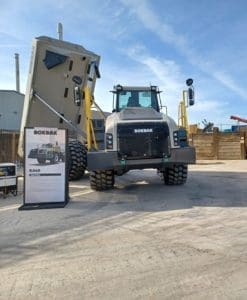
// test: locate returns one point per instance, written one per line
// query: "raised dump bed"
(58, 74)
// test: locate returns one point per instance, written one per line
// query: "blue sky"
(162, 42)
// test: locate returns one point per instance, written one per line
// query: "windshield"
(137, 99)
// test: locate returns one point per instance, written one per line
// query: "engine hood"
(139, 113)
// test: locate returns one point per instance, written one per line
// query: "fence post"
(216, 144)
(242, 145)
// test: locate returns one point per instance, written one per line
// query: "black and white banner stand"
(45, 168)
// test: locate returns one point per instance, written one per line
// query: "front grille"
(143, 140)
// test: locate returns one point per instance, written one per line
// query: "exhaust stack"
(60, 31)
(17, 72)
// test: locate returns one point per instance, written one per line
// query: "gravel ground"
(142, 240)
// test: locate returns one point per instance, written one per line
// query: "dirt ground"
(142, 240)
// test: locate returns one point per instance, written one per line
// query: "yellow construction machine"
(187, 100)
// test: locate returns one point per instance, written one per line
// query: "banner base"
(42, 206)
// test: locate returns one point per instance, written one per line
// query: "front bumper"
(102, 160)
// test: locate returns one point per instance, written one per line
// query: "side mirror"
(189, 81)
(191, 96)
(77, 96)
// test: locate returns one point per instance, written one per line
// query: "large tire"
(41, 161)
(102, 180)
(77, 160)
(54, 159)
(175, 175)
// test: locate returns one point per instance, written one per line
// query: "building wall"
(8, 147)
(11, 105)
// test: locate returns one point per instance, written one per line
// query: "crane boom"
(238, 119)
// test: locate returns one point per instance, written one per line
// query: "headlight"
(175, 138)
(180, 137)
(109, 141)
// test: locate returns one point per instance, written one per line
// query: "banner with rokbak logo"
(45, 168)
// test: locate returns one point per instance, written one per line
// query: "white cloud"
(150, 20)
(164, 73)
(168, 75)
(208, 106)
(211, 110)
(226, 80)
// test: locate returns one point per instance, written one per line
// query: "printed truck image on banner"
(45, 165)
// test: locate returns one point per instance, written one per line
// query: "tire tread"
(176, 175)
(102, 180)
(77, 159)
